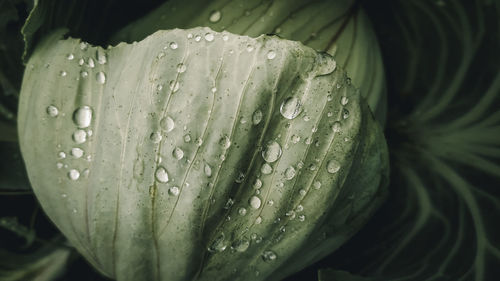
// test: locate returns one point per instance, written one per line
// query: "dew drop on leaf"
(174, 191)
(257, 117)
(290, 108)
(209, 37)
(73, 174)
(215, 16)
(52, 111)
(100, 77)
(271, 55)
(218, 244)
(178, 153)
(181, 68)
(225, 142)
(268, 256)
(155, 137)
(79, 136)
(257, 184)
(161, 175)
(167, 124)
(241, 245)
(272, 152)
(173, 45)
(208, 170)
(266, 169)
(255, 202)
(332, 166)
(344, 100)
(336, 127)
(242, 211)
(290, 173)
(317, 185)
(76, 152)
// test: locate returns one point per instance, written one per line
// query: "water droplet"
(229, 204)
(84, 74)
(266, 169)
(160, 55)
(83, 46)
(173, 45)
(209, 37)
(52, 111)
(271, 55)
(312, 167)
(70, 56)
(270, 202)
(290, 108)
(61, 155)
(155, 137)
(332, 166)
(302, 192)
(181, 68)
(100, 77)
(242, 211)
(178, 153)
(161, 175)
(336, 127)
(218, 245)
(277, 30)
(225, 142)
(338, 86)
(174, 86)
(167, 124)
(344, 100)
(241, 245)
(240, 178)
(249, 48)
(307, 118)
(174, 190)
(299, 208)
(225, 37)
(73, 174)
(101, 57)
(345, 114)
(295, 139)
(80, 136)
(198, 141)
(255, 202)
(302, 218)
(63, 73)
(76, 152)
(213, 90)
(257, 184)
(91, 63)
(215, 16)
(258, 220)
(81, 61)
(257, 117)
(317, 185)
(208, 170)
(290, 173)
(159, 87)
(197, 38)
(268, 256)
(272, 152)
(187, 138)
(59, 165)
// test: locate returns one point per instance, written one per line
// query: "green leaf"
(338, 27)
(198, 154)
